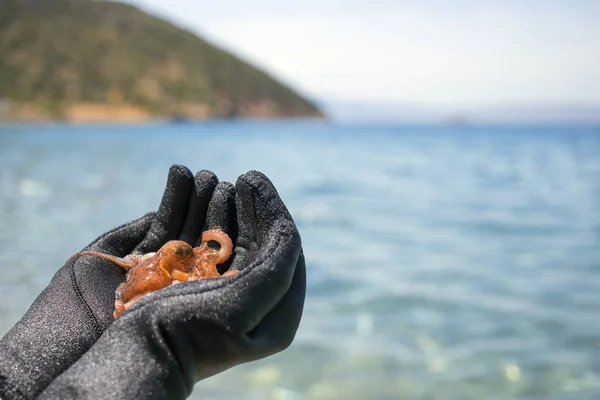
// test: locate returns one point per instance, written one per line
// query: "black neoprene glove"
(76, 308)
(166, 342)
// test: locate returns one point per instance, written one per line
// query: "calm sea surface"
(443, 262)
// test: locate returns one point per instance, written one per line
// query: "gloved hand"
(161, 346)
(76, 308)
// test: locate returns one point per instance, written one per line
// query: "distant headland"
(85, 60)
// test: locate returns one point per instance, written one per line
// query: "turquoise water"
(443, 262)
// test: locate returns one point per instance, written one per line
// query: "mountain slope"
(102, 59)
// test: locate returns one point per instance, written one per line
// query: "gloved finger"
(267, 277)
(259, 207)
(204, 186)
(278, 328)
(221, 212)
(172, 211)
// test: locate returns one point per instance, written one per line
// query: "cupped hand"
(167, 341)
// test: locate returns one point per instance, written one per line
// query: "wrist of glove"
(169, 340)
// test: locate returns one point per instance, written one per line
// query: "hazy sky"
(452, 55)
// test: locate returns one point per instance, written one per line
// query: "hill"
(103, 60)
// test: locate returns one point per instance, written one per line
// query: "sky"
(453, 55)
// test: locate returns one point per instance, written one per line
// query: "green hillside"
(100, 59)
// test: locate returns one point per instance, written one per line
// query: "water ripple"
(442, 262)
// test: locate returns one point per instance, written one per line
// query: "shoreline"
(165, 121)
(105, 113)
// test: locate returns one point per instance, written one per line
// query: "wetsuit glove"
(167, 341)
(76, 308)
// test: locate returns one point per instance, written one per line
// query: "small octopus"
(175, 262)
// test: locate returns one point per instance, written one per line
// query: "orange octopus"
(176, 261)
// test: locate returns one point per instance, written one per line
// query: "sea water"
(442, 262)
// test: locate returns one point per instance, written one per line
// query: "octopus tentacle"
(178, 275)
(231, 272)
(126, 262)
(219, 236)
